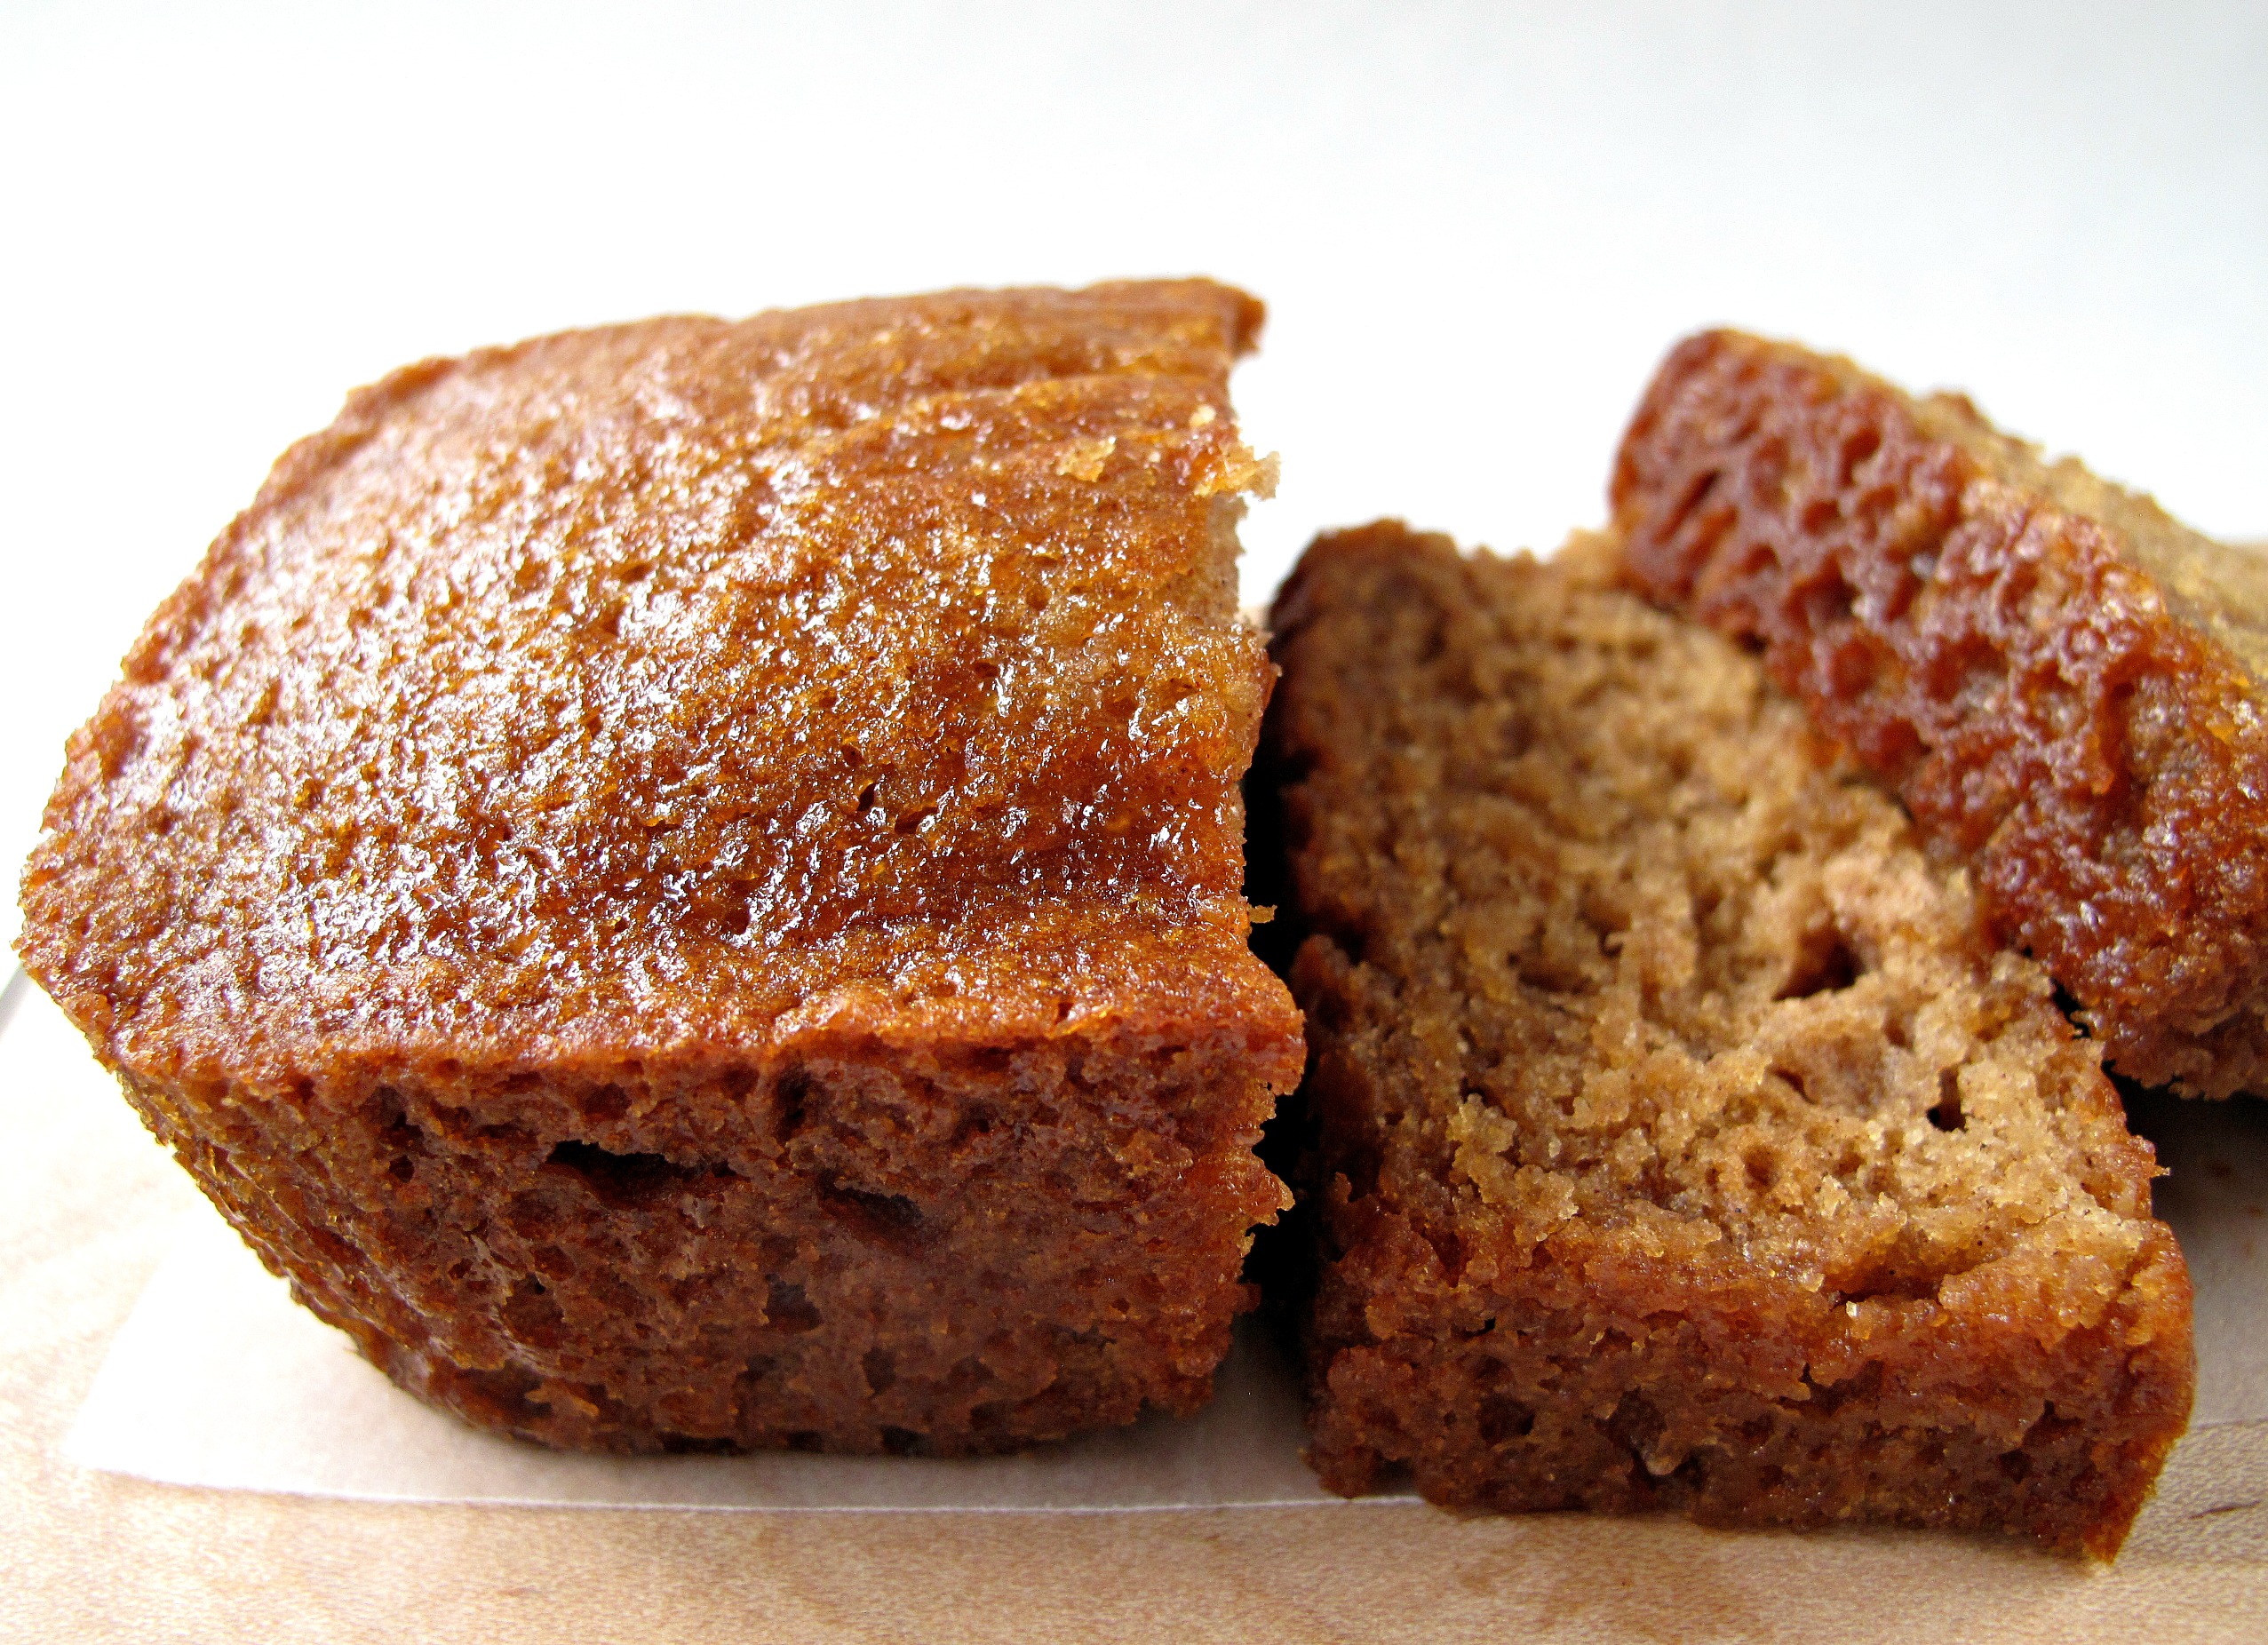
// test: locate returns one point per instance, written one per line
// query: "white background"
(1477, 225)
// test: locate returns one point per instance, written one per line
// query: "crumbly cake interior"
(2064, 685)
(683, 880)
(1678, 1137)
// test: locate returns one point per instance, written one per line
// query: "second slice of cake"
(1679, 1138)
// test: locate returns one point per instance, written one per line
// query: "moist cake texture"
(1676, 1136)
(683, 880)
(2059, 680)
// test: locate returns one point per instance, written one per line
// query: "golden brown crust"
(718, 645)
(2058, 680)
(697, 830)
(1678, 1139)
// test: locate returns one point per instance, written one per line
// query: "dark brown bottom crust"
(1629, 1392)
(938, 1262)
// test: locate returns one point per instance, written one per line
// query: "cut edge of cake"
(1511, 1332)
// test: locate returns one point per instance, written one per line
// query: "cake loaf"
(1677, 1137)
(2061, 681)
(683, 880)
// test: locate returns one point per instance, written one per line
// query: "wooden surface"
(86, 1201)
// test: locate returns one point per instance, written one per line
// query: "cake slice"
(1677, 1137)
(2065, 684)
(683, 880)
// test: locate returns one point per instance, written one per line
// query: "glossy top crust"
(871, 669)
(2061, 681)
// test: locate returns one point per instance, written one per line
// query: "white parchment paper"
(219, 1380)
